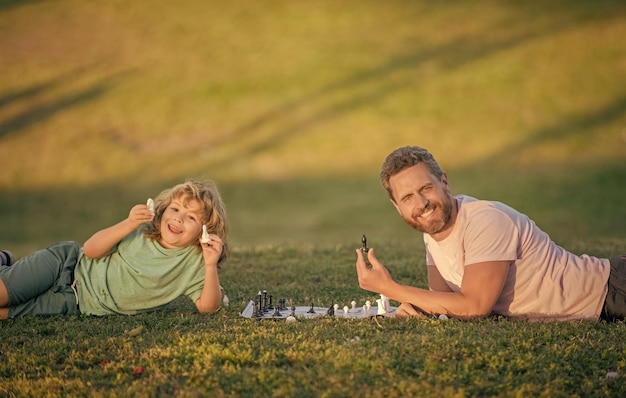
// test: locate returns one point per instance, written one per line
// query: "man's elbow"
(477, 312)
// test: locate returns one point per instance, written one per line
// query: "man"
(485, 257)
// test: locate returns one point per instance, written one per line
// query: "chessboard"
(263, 308)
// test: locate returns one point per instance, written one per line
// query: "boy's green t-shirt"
(138, 276)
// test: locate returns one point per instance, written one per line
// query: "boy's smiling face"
(181, 223)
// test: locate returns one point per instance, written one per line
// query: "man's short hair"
(403, 158)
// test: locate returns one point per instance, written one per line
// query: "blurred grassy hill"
(292, 106)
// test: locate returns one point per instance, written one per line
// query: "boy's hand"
(139, 214)
(211, 250)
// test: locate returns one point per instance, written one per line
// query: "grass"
(180, 353)
(291, 107)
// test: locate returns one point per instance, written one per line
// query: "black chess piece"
(331, 309)
(259, 305)
(364, 249)
(311, 310)
(276, 311)
(293, 311)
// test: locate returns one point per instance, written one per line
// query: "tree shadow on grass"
(43, 110)
(372, 86)
(8, 4)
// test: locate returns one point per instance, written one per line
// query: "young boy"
(140, 264)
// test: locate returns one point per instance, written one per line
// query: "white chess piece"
(150, 204)
(353, 304)
(381, 308)
(385, 303)
(226, 301)
(205, 235)
(336, 308)
(345, 310)
(290, 319)
(367, 307)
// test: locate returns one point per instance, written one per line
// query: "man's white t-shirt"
(545, 282)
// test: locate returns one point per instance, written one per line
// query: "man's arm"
(480, 289)
(436, 281)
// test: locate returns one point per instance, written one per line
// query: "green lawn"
(291, 107)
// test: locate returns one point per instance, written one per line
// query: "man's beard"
(434, 225)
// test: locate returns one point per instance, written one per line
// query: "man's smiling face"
(423, 200)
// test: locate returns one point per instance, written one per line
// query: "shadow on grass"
(42, 110)
(372, 86)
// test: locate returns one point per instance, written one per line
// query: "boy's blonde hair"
(214, 210)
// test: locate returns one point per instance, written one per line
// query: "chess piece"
(259, 305)
(336, 307)
(364, 250)
(384, 300)
(381, 309)
(353, 304)
(311, 310)
(293, 310)
(367, 307)
(226, 301)
(205, 235)
(150, 204)
(331, 310)
(276, 311)
(345, 310)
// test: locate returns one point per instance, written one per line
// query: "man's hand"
(406, 310)
(373, 276)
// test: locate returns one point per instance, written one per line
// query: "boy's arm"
(101, 243)
(211, 297)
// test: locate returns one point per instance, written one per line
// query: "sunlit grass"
(291, 107)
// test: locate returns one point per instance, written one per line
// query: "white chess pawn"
(345, 310)
(353, 304)
(226, 301)
(336, 308)
(367, 307)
